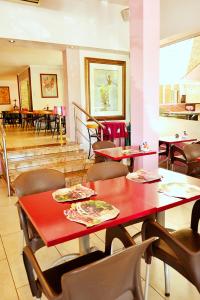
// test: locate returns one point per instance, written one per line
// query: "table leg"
(131, 167)
(160, 217)
(84, 245)
(84, 248)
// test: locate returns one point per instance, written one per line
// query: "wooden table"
(171, 140)
(119, 153)
(134, 200)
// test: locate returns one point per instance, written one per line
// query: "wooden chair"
(101, 145)
(179, 249)
(92, 276)
(106, 170)
(30, 183)
(187, 157)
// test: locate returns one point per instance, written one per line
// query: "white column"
(144, 68)
(72, 86)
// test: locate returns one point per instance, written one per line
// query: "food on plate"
(91, 212)
(75, 192)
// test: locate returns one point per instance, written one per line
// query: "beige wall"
(13, 93)
(38, 101)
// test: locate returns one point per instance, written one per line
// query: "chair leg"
(167, 280)
(90, 144)
(146, 288)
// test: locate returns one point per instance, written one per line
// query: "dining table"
(175, 139)
(119, 153)
(133, 200)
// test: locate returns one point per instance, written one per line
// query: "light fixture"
(11, 41)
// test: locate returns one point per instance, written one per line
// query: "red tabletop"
(134, 200)
(116, 153)
(174, 140)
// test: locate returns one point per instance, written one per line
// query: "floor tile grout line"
(9, 268)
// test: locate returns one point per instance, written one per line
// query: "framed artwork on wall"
(49, 85)
(25, 91)
(4, 95)
(105, 83)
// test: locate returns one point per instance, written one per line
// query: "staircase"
(68, 158)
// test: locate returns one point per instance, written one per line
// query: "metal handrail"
(88, 115)
(5, 158)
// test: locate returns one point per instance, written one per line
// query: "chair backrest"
(106, 170)
(192, 151)
(115, 277)
(38, 181)
(101, 145)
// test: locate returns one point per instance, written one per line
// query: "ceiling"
(62, 4)
(15, 57)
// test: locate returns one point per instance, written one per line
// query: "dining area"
(113, 217)
(38, 121)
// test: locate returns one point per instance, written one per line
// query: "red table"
(134, 200)
(117, 153)
(171, 140)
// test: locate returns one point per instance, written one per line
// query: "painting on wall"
(105, 88)
(4, 95)
(25, 93)
(49, 85)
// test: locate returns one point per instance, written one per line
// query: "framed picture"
(105, 88)
(25, 91)
(4, 95)
(49, 85)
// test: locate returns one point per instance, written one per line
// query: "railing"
(77, 119)
(5, 158)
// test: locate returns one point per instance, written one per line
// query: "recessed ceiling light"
(11, 41)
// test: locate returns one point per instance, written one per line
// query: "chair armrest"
(195, 216)
(154, 229)
(120, 233)
(31, 264)
(179, 151)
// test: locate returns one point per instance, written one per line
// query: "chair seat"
(53, 275)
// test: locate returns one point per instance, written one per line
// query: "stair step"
(44, 159)
(65, 167)
(41, 150)
(77, 177)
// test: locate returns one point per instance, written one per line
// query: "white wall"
(82, 101)
(85, 23)
(74, 61)
(179, 18)
(170, 126)
(38, 101)
(13, 93)
(91, 23)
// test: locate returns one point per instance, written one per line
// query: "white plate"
(179, 189)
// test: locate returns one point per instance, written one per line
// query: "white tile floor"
(13, 280)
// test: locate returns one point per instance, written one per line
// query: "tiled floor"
(13, 280)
